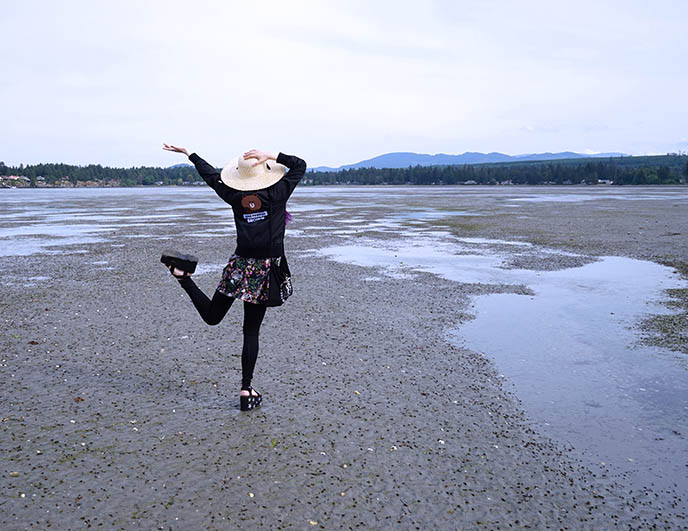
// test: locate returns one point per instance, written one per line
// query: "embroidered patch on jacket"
(251, 203)
(255, 216)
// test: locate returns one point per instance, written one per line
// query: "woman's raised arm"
(209, 173)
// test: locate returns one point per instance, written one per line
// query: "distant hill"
(180, 165)
(406, 159)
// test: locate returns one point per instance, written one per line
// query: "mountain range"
(406, 159)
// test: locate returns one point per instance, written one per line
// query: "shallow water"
(571, 355)
(54, 220)
(576, 198)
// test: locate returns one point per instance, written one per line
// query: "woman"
(257, 187)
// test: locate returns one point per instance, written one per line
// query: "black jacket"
(259, 224)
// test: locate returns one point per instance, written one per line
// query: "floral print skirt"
(246, 279)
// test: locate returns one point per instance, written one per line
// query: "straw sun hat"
(240, 174)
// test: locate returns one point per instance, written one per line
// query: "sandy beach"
(120, 406)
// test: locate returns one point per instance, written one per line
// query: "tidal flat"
(452, 357)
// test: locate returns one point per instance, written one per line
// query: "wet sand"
(120, 406)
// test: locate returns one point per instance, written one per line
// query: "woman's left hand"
(176, 149)
(262, 156)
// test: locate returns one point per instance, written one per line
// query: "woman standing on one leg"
(257, 187)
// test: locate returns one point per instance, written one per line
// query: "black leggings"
(213, 311)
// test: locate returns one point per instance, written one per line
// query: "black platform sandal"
(252, 401)
(183, 262)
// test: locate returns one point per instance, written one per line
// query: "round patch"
(251, 203)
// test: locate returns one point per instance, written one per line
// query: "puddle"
(29, 246)
(436, 254)
(494, 242)
(571, 355)
(577, 198)
(568, 351)
(555, 198)
(53, 230)
(211, 234)
(14, 280)
(303, 207)
(429, 215)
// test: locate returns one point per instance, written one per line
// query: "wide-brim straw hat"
(242, 175)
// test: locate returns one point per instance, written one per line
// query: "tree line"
(52, 174)
(668, 169)
(665, 169)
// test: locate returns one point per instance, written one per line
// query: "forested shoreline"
(650, 170)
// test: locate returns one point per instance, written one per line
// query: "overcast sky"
(339, 81)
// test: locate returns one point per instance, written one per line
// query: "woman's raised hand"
(262, 156)
(175, 149)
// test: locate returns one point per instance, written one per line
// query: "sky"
(337, 82)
